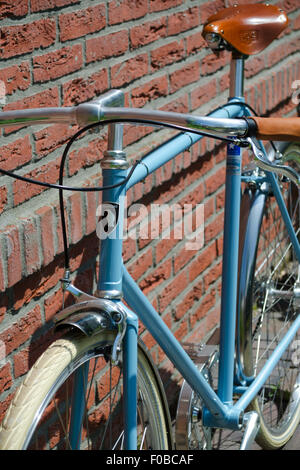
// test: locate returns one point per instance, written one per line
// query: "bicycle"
(117, 397)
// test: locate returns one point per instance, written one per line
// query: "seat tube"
(229, 273)
(230, 247)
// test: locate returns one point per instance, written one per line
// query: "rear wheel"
(270, 304)
(42, 416)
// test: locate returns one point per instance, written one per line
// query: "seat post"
(236, 87)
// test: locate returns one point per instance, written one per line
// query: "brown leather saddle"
(247, 29)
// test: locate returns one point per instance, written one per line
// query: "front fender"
(89, 317)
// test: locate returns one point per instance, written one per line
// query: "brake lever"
(263, 163)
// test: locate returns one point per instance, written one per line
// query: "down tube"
(161, 333)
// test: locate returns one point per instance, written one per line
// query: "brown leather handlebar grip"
(278, 128)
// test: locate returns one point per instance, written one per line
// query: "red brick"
(80, 89)
(15, 77)
(53, 304)
(21, 39)
(129, 70)
(3, 198)
(210, 63)
(254, 65)
(37, 284)
(167, 54)
(13, 9)
(157, 276)
(75, 217)
(159, 5)
(58, 230)
(148, 32)
(194, 197)
(164, 247)
(205, 258)
(174, 288)
(129, 249)
(86, 156)
(14, 262)
(288, 5)
(181, 332)
(42, 99)
(219, 247)
(82, 22)
(22, 360)
(4, 302)
(179, 105)
(15, 154)
(91, 207)
(22, 191)
(194, 43)
(193, 296)
(296, 23)
(135, 133)
(31, 246)
(46, 229)
(49, 139)
(21, 331)
(183, 21)
(5, 377)
(224, 81)
(184, 76)
(57, 64)
(150, 91)
(123, 10)
(182, 258)
(215, 181)
(214, 228)
(204, 93)
(4, 404)
(41, 5)
(141, 265)
(110, 45)
(213, 275)
(210, 8)
(206, 305)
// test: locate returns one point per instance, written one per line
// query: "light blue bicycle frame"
(220, 411)
(115, 282)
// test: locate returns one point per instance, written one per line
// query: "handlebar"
(245, 130)
(88, 113)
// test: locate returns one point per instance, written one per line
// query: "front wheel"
(268, 305)
(43, 412)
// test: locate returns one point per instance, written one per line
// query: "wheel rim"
(102, 426)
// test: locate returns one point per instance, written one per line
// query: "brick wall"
(64, 52)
